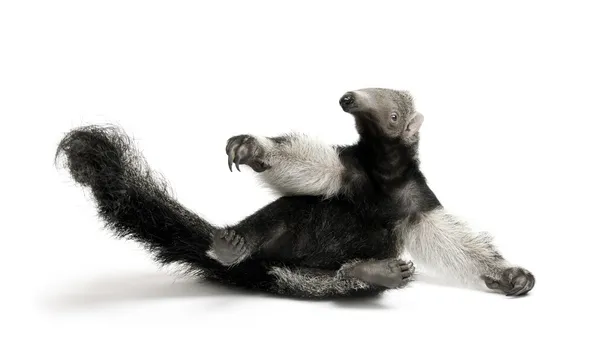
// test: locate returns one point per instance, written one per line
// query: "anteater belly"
(327, 233)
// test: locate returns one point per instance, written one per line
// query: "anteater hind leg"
(357, 278)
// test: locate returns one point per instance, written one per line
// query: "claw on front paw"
(513, 281)
(245, 150)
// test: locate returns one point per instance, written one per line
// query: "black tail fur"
(133, 200)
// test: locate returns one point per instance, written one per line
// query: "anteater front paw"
(229, 248)
(245, 150)
(513, 281)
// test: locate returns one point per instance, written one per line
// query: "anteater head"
(384, 113)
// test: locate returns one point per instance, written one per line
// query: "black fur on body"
(300, 245)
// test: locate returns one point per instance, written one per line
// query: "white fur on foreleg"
(445, 244)
(302, 165)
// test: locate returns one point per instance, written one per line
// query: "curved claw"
(244, 150)
(524, 287)
(230, 160)
(513, 291)
(237, 163)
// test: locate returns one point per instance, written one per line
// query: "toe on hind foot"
(229, 248)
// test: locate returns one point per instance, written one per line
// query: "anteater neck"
(390, 162)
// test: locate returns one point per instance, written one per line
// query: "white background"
(510, 95)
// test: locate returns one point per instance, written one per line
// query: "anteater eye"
(394, 117)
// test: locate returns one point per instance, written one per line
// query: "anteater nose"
(347, 100)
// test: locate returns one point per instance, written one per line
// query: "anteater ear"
(413, 125)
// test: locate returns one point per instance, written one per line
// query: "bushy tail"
(136, 204)
(133, 201)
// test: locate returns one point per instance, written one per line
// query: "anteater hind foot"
(229, 248)
(390, 273)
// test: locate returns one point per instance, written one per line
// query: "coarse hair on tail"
(132, 200)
